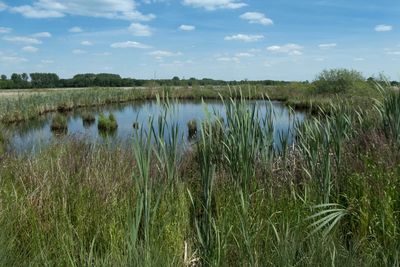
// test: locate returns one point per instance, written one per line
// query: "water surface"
(34, 135)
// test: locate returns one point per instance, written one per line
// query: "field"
(233, 199)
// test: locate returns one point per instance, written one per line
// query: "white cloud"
(256, 17)
(138, 29)
(393, 53)
(86, 43)
(228, 59)
(215, 4)
(111, 9)
(78, 52)
(160, 54)
(12, 59)
(22, 39)
(36, 13)
(290, 49)
(130, 44)
(359, 59)
(383, 28)
(47, 61)
(244, 54)
(5, 30)
(104, 54)
(75, 29)
(327, 46)
(2, 6)
(184, 27)
(42, 35)
(30, 49)
(244, 38)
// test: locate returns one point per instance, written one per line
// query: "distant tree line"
(52, 80)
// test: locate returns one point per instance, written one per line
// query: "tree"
(44, 80)
(3, 77)
(337, 80)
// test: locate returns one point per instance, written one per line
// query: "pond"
(31, 136)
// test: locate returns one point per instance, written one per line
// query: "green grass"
(107, 124)
(59, 123)
(297, 95)
(233, 199)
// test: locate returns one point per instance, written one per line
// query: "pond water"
(34, 135)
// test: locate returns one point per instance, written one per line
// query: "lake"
(31, 136)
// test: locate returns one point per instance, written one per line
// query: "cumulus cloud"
(256, 18)
(12, 59)
(111, 9)
(160, 54)
(130, 44)
(228, 59)
(86, 43)
(290, 49)
(327, 46)
(22, 39)
(184, 27)
(138, 29)
(5, 30)
(215, 4)
(30, 49)
(75, 29)
(383, 28)
(42, 35)
(244, 37)
(244, 54)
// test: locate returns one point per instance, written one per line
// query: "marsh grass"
(107, 124)
(59, 123)
(233, 199)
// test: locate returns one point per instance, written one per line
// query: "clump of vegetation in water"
(192, 128)
(59, 123)
(136, 125)
(107, 124)
(88, 118)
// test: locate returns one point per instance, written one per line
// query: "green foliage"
(389, 110)
(330, 199)
(59, 123)
(107, 123)
(338, 81)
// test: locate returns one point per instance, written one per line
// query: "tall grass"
(235, 198)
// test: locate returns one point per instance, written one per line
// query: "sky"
(219, 39)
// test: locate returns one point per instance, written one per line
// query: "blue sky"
(221, 39)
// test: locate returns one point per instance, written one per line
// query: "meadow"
(232, 199)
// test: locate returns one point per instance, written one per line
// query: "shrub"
(107, 123)
(59, 123)
(337, 80)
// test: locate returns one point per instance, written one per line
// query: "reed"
(235, 198)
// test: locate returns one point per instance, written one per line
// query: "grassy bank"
(297, 95)
(232, 200)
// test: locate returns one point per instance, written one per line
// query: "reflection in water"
(36, 134)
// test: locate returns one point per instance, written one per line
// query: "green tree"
(337, 80)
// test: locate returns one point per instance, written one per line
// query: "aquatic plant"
(107, 124)
(59, 123)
